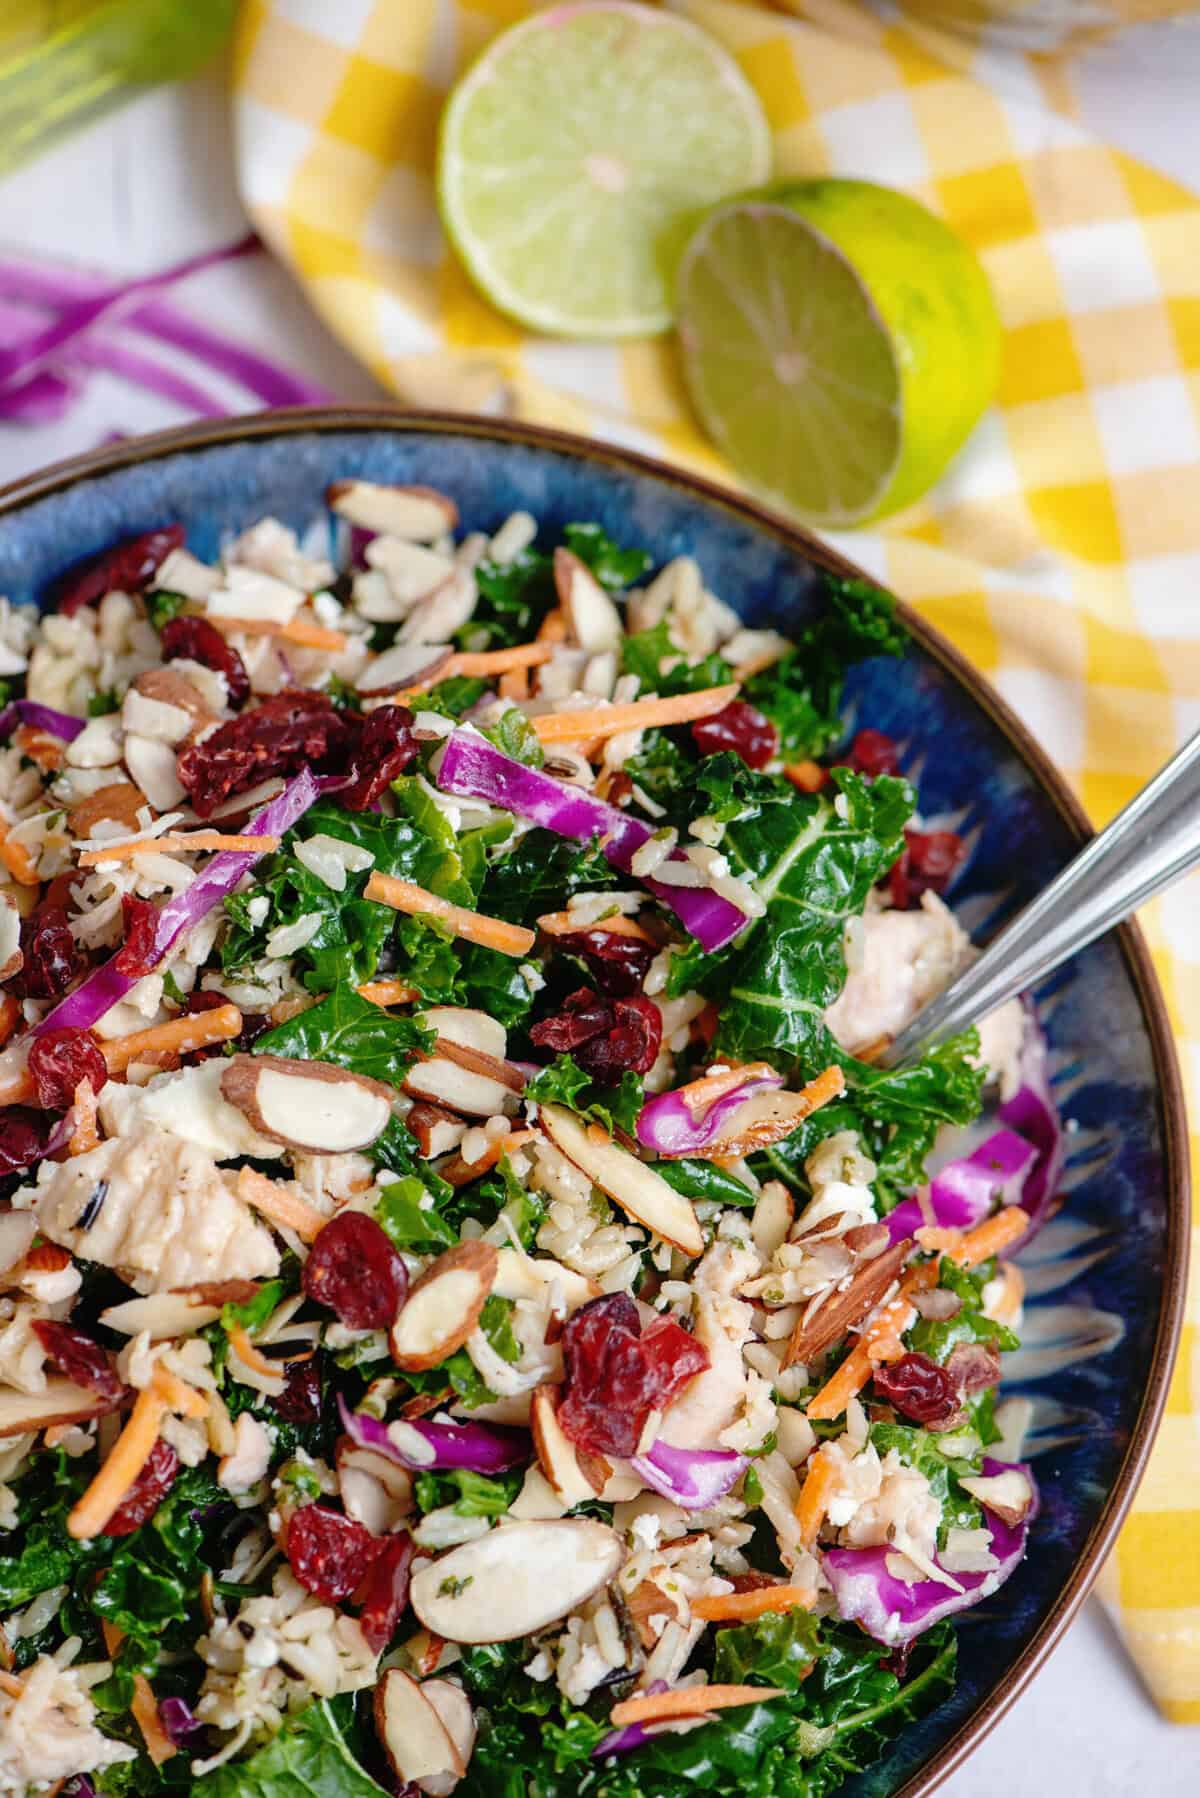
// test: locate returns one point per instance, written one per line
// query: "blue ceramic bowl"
(1106, 1278)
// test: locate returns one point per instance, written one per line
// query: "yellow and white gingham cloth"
(1062, 551)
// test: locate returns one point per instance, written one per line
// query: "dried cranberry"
(294, 729)
(52, 958)
(138, 954)
(929, 862)
(329, 1554)
(873, 753)
(353, 1268)
(385, 747)
(385, 1594)
(606, 1036)
(918, 1388)
(59, 1060)
(196, 640)
(76, 1355)
(974, 1366)
(300, 1400)
(128, 567)
(618, 964)
(617, 1373)
(740, 727)
(24, 1138)
(146, 1493)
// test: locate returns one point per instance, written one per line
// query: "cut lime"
(840, 343)
(577, 155)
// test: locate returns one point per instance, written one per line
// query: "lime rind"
(578, 151)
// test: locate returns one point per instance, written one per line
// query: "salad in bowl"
(474, 1313)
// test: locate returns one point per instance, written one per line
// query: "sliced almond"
(445, 611)
(419, 513)
(437, 1131)
(845, 1308)
(476, 1062)
(520, 1276)
(169, 687)
(62, 1401)
(772, 1220)
(575, 1478)
(237, 810)
(454, 1708)
(639, 1190)
(592, 618)
(17, 1231)
(1008, 1495)
(763, 1119)
(375, 1490)
(307, 1104)
(144, 716)
(646, 1604)
(444, 1306)
(151, 765)
(405, 665)
(11, 958)
(468, 1027)
(537, 1500)
(410, 572)
(447, 1084)
(162, 1315)
(118, 803)
(516, 1579)
(411, 1733)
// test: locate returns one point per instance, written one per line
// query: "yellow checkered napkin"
(1062, 552)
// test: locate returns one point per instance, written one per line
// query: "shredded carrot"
(990, 1237)
(810, 777)
(144, 1707)
(460, 1173)
(813, 1501)
(639, 714)
(178, 1394)
(84, 1136)
(17, 859)
(729, 1607)
(246, 1352)
(388, 992)
(829, 1084)
(10, 1017)
(689, 1701)
(195, 1031)
(302, 631)
(279, 1205)
(11, 1684)
(553, 628)
(486, 662)
(129, 1455)
(124, 850)
(403, 895)
(566, 923)
(40, 747)
(937, 1239)
(699, 1094)
(514, 685)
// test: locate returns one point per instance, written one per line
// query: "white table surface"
(153, 184)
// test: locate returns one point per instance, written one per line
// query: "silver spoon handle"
(1146, 848)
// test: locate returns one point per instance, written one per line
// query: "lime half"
(577, 155)
(839, 342)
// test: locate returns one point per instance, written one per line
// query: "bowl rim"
(327, 420)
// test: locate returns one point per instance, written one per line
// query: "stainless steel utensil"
(1146, 848)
